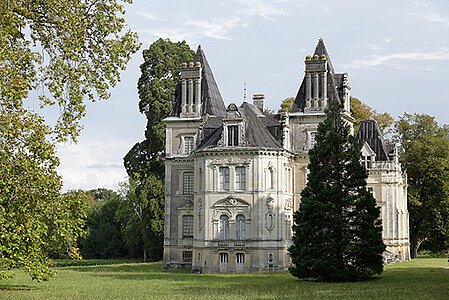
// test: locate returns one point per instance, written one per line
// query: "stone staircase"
(391, 258)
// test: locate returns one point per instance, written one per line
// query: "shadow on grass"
(16, 287)
(154, 267)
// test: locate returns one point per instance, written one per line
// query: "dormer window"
(311, 139)
(233, 135)
(188, 144)
(366, 161)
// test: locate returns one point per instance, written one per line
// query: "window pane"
(233, 135)
(187, 256)
(188, 145)
(187, 226)
(312, 139)
(223, 258)
(224, 227)
(224, 178)
(240, 178)
(240, 227)
(188, 183)
(240, 258)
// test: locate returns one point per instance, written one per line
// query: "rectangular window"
(224, 178)
(312, 139)
(223, 258)
(188, 144)
(240, 178)
(187, 256)
(233, 135)
(187, 226)
(240, 258)
(188, 183)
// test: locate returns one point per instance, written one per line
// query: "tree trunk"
(144, 255)
(414, 246)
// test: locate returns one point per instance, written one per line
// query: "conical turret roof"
(333, 81)
(212, 102)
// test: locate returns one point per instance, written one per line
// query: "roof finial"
(244, 88)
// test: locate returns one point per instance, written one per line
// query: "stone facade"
(234, 175)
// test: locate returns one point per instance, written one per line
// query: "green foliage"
(70, 49)
(424, 153)
(337, 230)
(417, 279)
(360, 112)
(34, 217)
(64, 51)
(160, 72)
(287, 103)
(104, 238)
(142, 212)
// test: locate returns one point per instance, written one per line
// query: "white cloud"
(217, 28)
(431, 17)
(261, 8)
(194, 30)
(396, 59)
(148, 16)
(92, 164)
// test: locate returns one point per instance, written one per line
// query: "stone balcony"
(229, 244)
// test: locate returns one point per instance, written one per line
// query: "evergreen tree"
(142, 211)
(337, 230)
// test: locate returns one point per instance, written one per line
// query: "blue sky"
(395, 52)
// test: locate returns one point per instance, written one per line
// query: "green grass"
(424, 278)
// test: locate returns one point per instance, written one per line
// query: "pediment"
(231, 201)
(187, 205)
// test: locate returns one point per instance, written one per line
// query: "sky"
(396, 54)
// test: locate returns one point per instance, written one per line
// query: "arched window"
(240, 227)
(224, 227)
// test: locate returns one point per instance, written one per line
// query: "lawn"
(424, 278)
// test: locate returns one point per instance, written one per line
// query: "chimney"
(258, 101)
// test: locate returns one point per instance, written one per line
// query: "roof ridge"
(213, 101)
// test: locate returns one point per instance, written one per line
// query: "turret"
(316, 83)
(191, 89)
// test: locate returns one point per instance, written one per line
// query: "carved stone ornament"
(200, 208)
(270, 203)
(187, 205)
(288, 204)
(230, 201)
(269, 221)
(231, 206)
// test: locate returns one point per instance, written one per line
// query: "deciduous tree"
(103, 238)
(35, 218)
(67, 52)
(360, 112)
(424, 153)
(287, 103)
(337, 231)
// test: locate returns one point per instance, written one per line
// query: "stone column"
(308, 90)
(198, 95)
(183, 96)
(324, 89)
(315, 90)
(190, 87)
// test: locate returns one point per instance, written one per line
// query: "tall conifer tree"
(337, 231)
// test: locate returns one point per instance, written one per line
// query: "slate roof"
(256, 133)
(334, 82)
(370, 133)
(212, 102)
